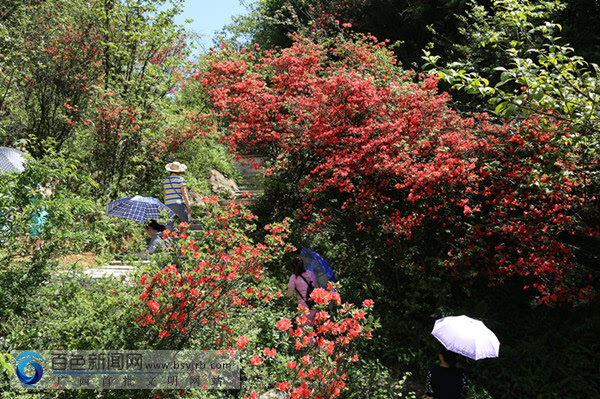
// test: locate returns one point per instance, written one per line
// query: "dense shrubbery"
(208, 292)
(427, 211)
(97, 81)
(367, 149)
(42, 220)
(410, 200)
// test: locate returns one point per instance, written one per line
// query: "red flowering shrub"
(213, 280)
(208, 277)
(375, 149)
(50, 68)
(322, 352)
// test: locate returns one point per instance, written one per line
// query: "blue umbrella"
(11, 160)
(319, 266)
(139, 209)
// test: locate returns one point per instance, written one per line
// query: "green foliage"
(412, 25)
(515, 61)
(74, 311)
(42, 220)
(369, 378)
(96, 79)
(267, 22)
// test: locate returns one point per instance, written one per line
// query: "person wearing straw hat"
(175, 192)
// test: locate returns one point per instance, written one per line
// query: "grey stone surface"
(220, 184)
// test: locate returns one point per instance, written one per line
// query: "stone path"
(252, 183)
(115, 269)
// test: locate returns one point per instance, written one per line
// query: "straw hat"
(175, 167)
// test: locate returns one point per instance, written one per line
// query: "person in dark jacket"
(446, 381)
(154, 231)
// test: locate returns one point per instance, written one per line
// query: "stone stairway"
(251, 181)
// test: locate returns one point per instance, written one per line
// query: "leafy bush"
(32, 244)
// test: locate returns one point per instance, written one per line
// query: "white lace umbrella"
(466, 336)
(11, 160)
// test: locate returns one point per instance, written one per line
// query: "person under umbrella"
(466, 336)
(144, 210)
(154, 231)
(139, 209)
(298, 287)
(446, 381)
(458, 335)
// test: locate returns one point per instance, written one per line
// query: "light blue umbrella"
(12, 160)
(140, 209)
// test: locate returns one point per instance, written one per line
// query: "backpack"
(309, 289)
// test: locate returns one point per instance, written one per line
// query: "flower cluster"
(324, 350)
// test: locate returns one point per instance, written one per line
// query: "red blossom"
(271, 352)
(368, 303)
(392, 153)
(284, 324)
(242, 341)
(282, 386)
(255, 360)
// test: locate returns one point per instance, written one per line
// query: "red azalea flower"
(255, 360)
(284, 324)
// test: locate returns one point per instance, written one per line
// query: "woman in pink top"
(298, 285)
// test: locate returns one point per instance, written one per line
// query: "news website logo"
(24, 360)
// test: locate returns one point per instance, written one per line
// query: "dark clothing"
(157, 242)
(446, 382)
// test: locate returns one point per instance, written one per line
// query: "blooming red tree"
(95, 77)
(50, 72)
(374, 148)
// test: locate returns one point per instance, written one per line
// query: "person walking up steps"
(298, 286)
(175, 193)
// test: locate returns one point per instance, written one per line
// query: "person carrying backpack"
(302, 282)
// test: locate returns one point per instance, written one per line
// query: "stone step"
(100, 273)
(253, 194)
(120, 262)
(114, 268)
(117, 267)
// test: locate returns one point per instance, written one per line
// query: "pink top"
(296, 282)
